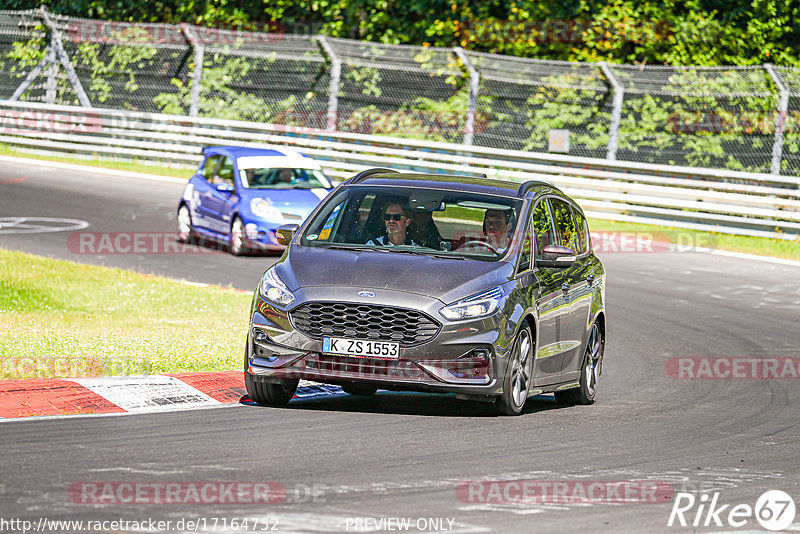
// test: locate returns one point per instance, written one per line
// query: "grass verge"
(762, 246)
(68, 320)
(12, 150)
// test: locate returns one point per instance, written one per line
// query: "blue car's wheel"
(237, 237)
(185, 228)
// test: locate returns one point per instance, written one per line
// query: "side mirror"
(556, 256)
(224, 187)
(285, 233)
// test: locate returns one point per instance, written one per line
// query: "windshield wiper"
(422, 252)
(356, 247)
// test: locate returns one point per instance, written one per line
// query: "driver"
(396, 219)
(495, 228)
(285, 176)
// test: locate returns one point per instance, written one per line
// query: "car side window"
(225, 172)
(543, 227)
(583, 235)
(527, 250)
(210, 167)
(566, 235)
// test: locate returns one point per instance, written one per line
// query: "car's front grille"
(364, 321)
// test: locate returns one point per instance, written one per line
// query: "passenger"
(495, 228)
(396, 219)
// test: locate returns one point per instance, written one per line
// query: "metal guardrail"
(724, 201)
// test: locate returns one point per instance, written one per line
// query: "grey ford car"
(411, 282)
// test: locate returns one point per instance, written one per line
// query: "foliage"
(671, 32)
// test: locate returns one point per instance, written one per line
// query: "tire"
(519, 375)
(186, 233)
(359, 389)
(591, 369)
(266, 393)
(236, 239)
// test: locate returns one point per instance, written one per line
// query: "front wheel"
(591, 368)
(519, 375)
(185, 227)
(267, 393)
(237, 237)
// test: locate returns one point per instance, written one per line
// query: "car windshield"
(283, 178)
(424, 221)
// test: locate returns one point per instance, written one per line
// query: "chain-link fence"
(521, 100)
(743, 118)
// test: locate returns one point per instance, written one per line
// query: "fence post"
(51, 86)
(197, 75)
(333, 88)
(780, 123)
(49, 58)
(616, 113)
(472, 102)
(58, 48)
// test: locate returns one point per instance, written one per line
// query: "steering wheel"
(481, 243)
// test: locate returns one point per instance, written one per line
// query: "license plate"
(361, 347)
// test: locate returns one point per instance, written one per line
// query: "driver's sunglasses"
(393, 217)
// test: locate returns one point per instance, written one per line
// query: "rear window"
(566, 233)
(583, 233)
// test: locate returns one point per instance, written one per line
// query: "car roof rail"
(363, 175)
(530, 184)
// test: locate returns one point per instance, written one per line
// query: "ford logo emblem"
(366, 294)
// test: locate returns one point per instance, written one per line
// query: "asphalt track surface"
(402, 456)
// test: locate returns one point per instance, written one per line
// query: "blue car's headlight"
(479, 305)
(264, 209)
(273, 289)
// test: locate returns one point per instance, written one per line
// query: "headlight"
(479, 305)
(274, 290)
(264, 209)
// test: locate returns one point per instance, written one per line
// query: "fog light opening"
(261, 337)
(474, 365)
(260, 351)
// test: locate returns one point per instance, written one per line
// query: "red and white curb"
(131, 394)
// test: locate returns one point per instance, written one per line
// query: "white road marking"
(39, 225)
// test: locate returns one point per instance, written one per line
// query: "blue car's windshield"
(283, 178)
(401, 219)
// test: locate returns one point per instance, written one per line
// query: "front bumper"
(261, 237)
(443, 364)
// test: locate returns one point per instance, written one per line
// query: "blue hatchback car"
(240, 196)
